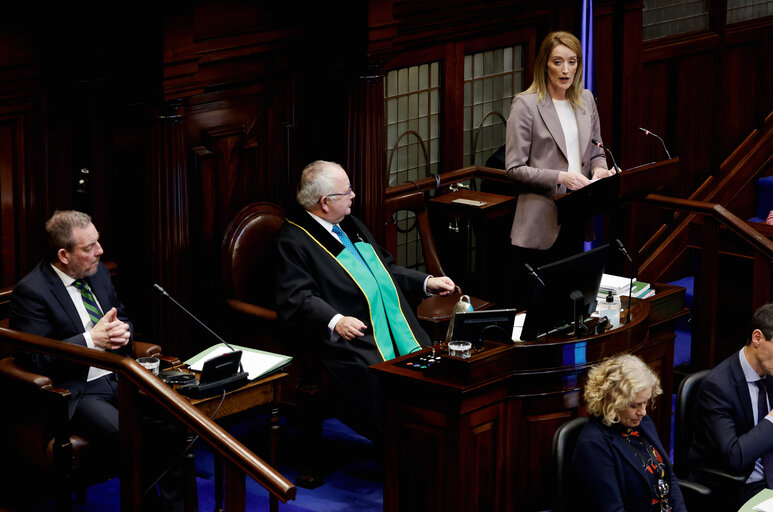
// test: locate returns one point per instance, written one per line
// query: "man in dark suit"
(70, 297)
(336, 283)
(734, 419)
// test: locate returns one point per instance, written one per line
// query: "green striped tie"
(92, 308)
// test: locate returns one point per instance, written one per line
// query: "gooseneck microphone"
(647, 132)
(621, 248)
(224, 342)
(600, 145)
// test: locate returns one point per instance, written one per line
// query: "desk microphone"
(621, 248)
(165, 294)
(533, 273)
(647, 132)
(600, 145)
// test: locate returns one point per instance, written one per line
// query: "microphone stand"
(647, 132)
(621, 248)
(600, 145)
(224, 342)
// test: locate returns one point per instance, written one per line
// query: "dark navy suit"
(41, 305)
(612, 475)
(725, 433)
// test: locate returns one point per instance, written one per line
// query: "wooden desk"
(479, 437)
(490, 223)
(257, 393)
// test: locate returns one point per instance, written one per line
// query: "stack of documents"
(621, 285)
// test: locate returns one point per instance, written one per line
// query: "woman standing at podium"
(549, 153)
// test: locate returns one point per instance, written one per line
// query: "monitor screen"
(552, 309)
(484, 324)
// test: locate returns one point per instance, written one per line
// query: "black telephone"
(219, 374)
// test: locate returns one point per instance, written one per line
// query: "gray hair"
(315, 182)
(60, 227)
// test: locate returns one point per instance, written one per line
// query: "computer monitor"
(570, 289)
(484, 324)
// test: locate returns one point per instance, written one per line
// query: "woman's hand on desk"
(600, 172)
(572, 180)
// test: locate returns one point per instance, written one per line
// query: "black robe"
(312, 287)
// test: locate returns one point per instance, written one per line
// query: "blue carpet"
(354, 481)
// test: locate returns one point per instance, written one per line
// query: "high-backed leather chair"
(434, 312)
(248, 286)
(565, 485)
(725, 487)
(569, 496)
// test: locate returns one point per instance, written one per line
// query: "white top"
(571, 134)
(77, 300)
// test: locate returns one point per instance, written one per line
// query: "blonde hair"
(613, 384)
(539, 85)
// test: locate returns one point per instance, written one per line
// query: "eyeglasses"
(347, 193)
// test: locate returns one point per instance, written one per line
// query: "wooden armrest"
(143, 349)
(688, 486)
(252, 310)
(719, 474)
(16, 373)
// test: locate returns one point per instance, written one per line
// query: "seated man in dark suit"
(335, 282)
(70, 297)
(734, 428)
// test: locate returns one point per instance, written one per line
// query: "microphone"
(600, 145)
(621, 248)
(533, 273)
(224, 342)
(647, 132)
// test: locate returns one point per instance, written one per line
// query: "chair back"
(247, 260)
(684, 420)
(413, 202)
(564, 441)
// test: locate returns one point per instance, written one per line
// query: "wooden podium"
(624, 187)
(476, 434)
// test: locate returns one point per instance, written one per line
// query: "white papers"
(518, 326)
(255, 362)
(765, 506)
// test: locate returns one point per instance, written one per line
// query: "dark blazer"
(41, 305)
(612, 475)
(725, 433)
(535, 154)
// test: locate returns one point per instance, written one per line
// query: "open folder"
(257, 363)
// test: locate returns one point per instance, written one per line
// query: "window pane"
(661, 18)
(412, 103)
(742, 10)
(492, 79)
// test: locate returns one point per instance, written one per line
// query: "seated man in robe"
(347, 293)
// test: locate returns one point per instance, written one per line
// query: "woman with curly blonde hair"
(619, 457)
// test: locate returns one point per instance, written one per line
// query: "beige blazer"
(535, 154)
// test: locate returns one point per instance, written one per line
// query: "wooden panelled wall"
(185, 113)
